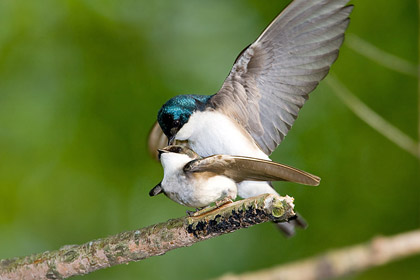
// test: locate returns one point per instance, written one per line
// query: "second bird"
(196, 182)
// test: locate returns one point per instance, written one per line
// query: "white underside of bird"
(211, 132)
(193, 190)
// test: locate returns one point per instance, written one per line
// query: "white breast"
(193, 190)
(210, 133)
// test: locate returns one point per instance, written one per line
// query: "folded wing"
(245, 168)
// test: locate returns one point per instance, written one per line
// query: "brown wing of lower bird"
(251, 169)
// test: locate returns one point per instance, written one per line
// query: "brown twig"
(147, 242)
(342, 262)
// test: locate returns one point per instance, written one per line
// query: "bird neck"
(173, 163)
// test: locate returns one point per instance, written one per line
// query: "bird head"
(177, 111)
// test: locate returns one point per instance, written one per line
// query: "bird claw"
(223, 201)
(202, 211)
(193, 213)
(190, 213)
(218, 204)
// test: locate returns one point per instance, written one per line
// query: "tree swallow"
(261, 97)
(197, 182)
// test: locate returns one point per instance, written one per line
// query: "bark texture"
(146, 242)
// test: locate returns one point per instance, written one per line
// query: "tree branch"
(381, 57)
(339, 263)
(372, 118)
(146, 242)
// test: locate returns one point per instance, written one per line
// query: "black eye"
(168, 117)
(176, 149)
(176, 123)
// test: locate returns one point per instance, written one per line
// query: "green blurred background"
(80, 86)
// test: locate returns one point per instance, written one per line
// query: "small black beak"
(171, 140)
(156, 190)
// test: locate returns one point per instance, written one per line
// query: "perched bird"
(196, 182)
(263, 93)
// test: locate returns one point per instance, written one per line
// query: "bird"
(261, 97)
(197, 182)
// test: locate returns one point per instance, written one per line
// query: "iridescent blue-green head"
(177, 111)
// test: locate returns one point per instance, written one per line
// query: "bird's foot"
(218, 204)
(202, 211)
(223, 201)
(190, 213)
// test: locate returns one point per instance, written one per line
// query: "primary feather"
(272, 78)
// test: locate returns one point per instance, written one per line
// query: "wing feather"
(245, 168)
(271, 80)
(156, 140)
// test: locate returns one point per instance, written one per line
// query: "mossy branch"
(146, 242)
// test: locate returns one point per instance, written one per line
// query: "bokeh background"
(80, 86)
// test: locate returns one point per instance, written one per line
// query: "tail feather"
(289, 228)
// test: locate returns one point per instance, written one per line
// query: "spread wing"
(271, 79)
(245, 168)
(156, 140)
